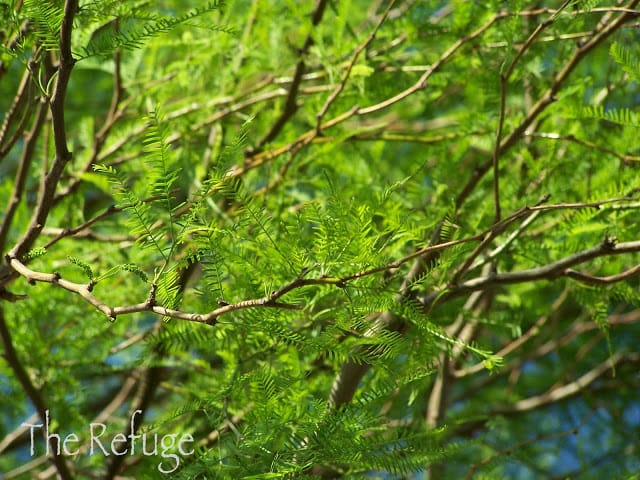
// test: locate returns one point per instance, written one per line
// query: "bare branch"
(21, 98)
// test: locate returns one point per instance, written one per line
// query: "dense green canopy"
(319, 239)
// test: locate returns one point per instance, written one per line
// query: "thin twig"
(504, 81)
(340, 87)
(28, 151)
(21, 98)
(585, 143)
(290, 105)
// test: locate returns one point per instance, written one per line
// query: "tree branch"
(599, 35)
(56, 103)
(28, 151)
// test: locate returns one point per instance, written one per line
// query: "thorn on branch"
(56, 276)
(150, 302)
(91, 284)
(609, 243)
(544, 199)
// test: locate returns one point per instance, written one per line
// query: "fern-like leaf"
(630, 63)
(131, 36)
(620, 116)
(47, 16)
(141, 220)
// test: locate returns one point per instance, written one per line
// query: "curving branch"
(21, 98)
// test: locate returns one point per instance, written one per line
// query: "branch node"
(56, 276)
(92, 283)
